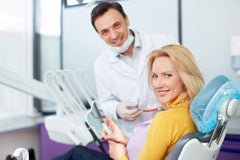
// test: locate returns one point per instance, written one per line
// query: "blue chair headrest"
(205, 106)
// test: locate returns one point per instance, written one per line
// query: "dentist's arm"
(111, 105)
(108, 102)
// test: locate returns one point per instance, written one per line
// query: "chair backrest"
(211, 109)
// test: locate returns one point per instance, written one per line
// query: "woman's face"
(166, 80)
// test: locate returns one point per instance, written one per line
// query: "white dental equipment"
(26, 85)
(19, 152)
(63, 88)
(67, 90)
(83, 77)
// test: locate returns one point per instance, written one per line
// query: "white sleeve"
(108, 102)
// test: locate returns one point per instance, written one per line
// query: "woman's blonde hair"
(187, 69)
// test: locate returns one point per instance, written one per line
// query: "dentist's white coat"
(116, 81)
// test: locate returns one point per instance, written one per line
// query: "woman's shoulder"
(172, 114)
(162, 116)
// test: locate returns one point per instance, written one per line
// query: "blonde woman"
(176, 79)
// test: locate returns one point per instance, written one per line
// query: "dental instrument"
(150, 110)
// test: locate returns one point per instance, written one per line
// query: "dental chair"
(211, 109)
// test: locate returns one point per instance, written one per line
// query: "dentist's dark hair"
(103, 7)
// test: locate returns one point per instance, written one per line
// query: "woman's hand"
(116, 150)
(117, 134)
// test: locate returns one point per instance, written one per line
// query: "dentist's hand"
(128, 110)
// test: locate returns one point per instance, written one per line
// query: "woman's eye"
(154, 76)
(168, 75)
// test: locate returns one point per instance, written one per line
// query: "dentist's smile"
(118, 42)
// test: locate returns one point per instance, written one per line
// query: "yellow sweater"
(165, 130)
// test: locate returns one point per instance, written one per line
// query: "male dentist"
(121, 70)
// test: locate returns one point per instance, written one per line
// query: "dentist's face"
(112, 28)
(166, 80)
